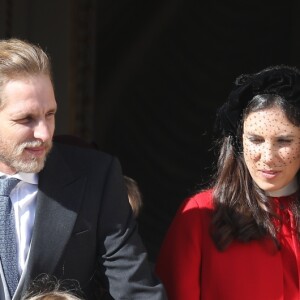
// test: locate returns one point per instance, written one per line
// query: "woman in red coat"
(240, 239)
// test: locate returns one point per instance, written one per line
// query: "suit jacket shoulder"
(84, 228)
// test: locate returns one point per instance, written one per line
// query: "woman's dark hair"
(242, 210)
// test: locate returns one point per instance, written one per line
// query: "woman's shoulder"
(200, 200)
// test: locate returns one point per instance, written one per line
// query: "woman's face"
(271, 146)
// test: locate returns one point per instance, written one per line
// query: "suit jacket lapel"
(58, 200)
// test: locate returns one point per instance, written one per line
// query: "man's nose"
(42, 131)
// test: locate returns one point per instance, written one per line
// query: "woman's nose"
(268, 153)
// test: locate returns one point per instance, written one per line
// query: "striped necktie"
(8, 243)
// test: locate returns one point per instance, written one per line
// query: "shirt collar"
(31, 178)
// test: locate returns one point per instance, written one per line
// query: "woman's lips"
(269, 174)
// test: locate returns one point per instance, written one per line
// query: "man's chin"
(33, 166)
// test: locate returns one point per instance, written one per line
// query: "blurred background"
(143, 80)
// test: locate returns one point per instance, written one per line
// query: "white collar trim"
(289, 189)
(27, 177)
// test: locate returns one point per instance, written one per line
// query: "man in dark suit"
(71, 211)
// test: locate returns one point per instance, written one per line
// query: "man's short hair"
(20, 58)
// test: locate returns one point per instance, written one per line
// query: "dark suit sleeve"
(123, 259)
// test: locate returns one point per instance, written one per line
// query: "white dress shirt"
(23, 197)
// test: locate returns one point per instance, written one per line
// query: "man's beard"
(13, 156)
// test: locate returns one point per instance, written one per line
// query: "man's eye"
(24, 120)
(50, 114)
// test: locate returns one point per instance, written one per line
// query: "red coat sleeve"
(179, 261)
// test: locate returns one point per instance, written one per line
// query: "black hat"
(283, 81)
